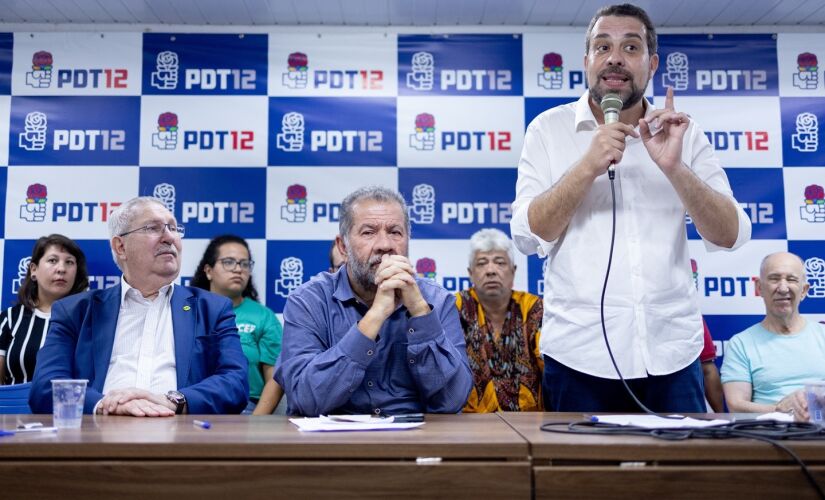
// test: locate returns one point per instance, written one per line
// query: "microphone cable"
(766, 431)
(611, 174)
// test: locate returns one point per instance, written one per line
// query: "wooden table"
(588, 466)
(263, 457)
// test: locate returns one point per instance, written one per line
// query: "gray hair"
(374, 193)
(122, 217)
(764, 264)
(489, 240)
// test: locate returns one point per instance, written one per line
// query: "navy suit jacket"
(211, 367)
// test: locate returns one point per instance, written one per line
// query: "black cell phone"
(409, 417)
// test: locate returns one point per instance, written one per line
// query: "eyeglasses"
(229, 264)
(157, 229)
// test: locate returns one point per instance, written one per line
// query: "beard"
(629, 97)
(363, 271)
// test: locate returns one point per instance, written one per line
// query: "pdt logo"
(425, 268)
(40, 76)
(165, 76)
(424, 137)
(292, 276)
(676, 71)
(296, 75)
(22, 268)
(815, 270)
(291, 138)
(34, 135)
(731, 286)
(806, 137)
(551, 76)
(167, 67)
(422, 206)
(166, 138)
(166, 194)
(806, 78)
(422, 72)
(295, 209)
(34, 210)
(814, 208)
(739, 140)
(206, 212)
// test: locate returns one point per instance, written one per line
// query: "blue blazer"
(211, 367)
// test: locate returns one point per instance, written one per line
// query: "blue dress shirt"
(327, 366)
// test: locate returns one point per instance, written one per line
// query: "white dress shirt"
(143, 354)
(651, 306)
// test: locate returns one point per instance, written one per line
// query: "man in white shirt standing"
(665, 167)
(147, 346)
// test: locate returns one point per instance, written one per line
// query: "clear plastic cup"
(68, 397)
(815, 394)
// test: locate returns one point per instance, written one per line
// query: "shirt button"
(377, 411)
(369, 384)
(412, 361)
(411, 330)
(369, 353)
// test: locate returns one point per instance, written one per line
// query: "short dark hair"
(28, 293)
(210, 257)
(624, 10)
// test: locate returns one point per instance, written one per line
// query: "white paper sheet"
(655, 422)
(337, 423)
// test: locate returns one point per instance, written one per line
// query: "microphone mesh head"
(611, 102)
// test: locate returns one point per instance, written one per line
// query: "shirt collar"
(125, 287)
(342, 290)
(585, 120)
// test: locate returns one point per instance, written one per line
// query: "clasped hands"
(135, 402)
(395, 281)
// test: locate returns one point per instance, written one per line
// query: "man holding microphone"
(664, 168)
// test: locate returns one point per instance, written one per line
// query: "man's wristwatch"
(177, 399)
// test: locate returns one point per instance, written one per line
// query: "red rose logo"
(806, 60)
(298, 60)
(42, 58)
(552, 60)
(815, 193)
(36, 191)
(425, 266)
(296, 192)
(693, 266)
(168, 120)
(425, 121)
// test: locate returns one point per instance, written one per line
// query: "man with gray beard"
(373, 337)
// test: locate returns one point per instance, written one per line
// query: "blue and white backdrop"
(262, 135)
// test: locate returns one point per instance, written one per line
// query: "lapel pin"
(186, 308)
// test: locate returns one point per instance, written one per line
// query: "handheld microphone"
(611, 106)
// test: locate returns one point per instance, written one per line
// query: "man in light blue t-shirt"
(767, 365)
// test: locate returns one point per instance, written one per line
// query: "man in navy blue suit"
(147, 346)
